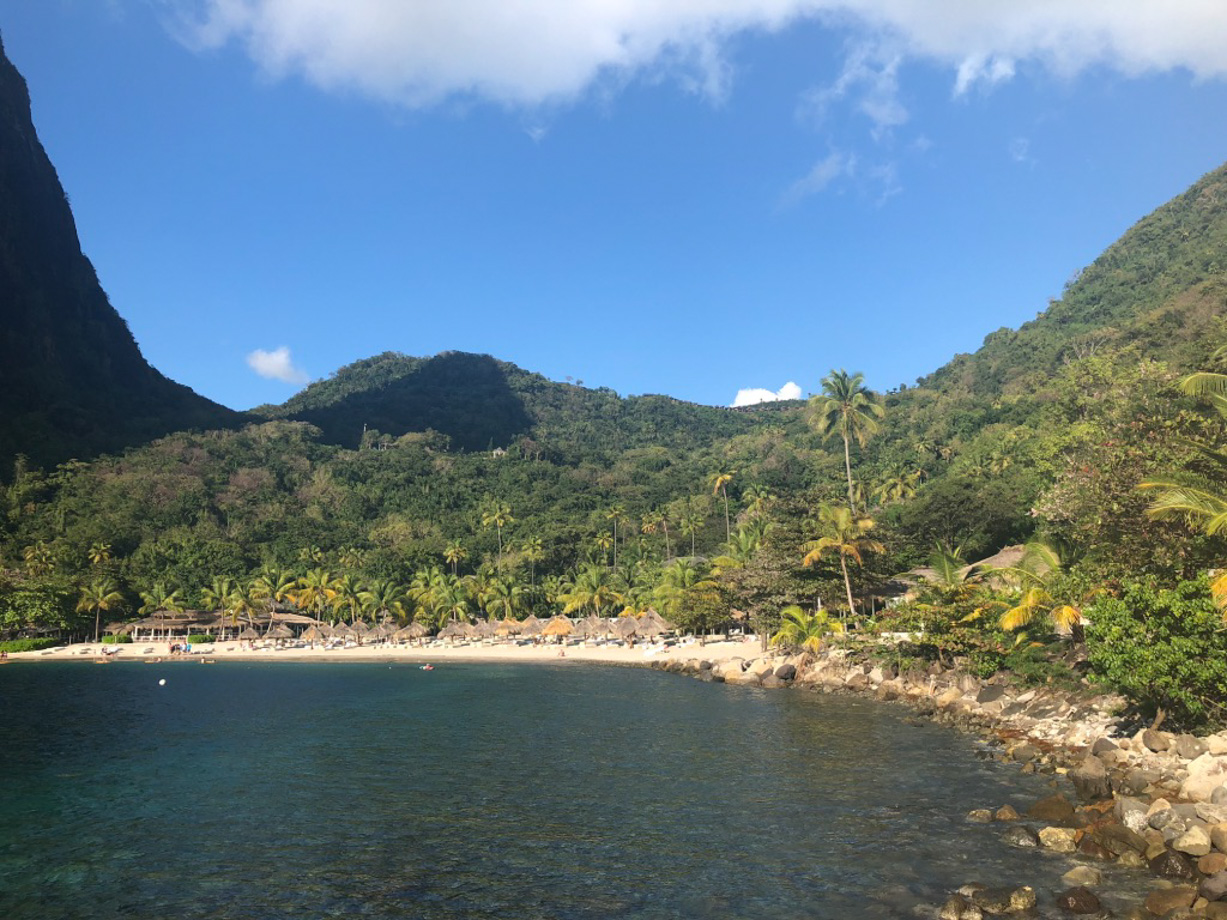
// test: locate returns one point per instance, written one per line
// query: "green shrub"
(1165, 649)
(116, 640)
(28, 645)
(199, 639)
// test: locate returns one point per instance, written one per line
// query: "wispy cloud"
(833, 166)
(276, 365)
(544, 51)
(756, 395)
(870, 81)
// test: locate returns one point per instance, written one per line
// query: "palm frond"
(1204, 383)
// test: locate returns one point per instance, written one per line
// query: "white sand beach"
(221, 652)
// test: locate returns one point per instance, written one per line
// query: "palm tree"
(846, 535)
(97, 597)
(315, 591)
(38, 558)
(273, 586)
(217, 594)
(384, 598)
(454, 553)
(99, 553)
(244, 601)
(804, 631)
(719, 480)
(533, 551)
(953, 579)
(654, 520)
(352, 558)
(1037, 574)
(450, 599)
(758, 500)
(347, 595)
(676, 579)
(614, 515)
(503, 596)
(497, 515)
(847, 407)
(690, 522)
(159, 600)
(594, 587)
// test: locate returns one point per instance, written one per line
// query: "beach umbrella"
(558, 626)
(314, 634)
(343, 631)
(379, 632)
(453, 630)
(360, 628)
(484, 629)
(417, 630)
(531, 626)
(508, 627)
(627, 627)
(249, 633)
(282, 632)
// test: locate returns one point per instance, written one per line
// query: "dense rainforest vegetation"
(459, 485)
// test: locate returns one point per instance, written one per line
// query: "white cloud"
(870, 77)
(831, 167)
(756, 395)
(276, 365)
(540, 51)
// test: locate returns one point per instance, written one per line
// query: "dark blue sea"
(286, 790)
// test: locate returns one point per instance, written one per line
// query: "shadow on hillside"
(464, 396)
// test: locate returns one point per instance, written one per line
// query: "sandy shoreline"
(234, 651)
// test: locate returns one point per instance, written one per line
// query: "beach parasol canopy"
(508, 627)
(314, 634)
(484, 629)
(627, 627)
(343, 631)
(282, 632)
(360, 628)
(249, 633)
(531, 626)
(453, 630)
(558, 626)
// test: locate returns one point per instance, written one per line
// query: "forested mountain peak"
(73, 382)
(481, 403)
(1162, 285)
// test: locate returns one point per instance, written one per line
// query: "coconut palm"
(454, 553)
(217, 594)
(845, 535)
(690, 522)
(804, 631)
(384, 598)
(593, 587)
(719, 481)
(533, 551)
(449, 599)
(315, 591)
(846, 407)
(614, 515)
(953, 580)
(244, 601)
(502, 597)
(99, 553)
(272, 587)
(38, 558)
(497, 515)
(97, 597)
(654, 520)
(347, 596)
(1037, 574)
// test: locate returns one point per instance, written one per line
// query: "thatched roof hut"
(313, 634)
(508, 627)
(558, 626)
(360, 628)
(454, 630)
(627, 627)
(531, 626)
(281, 632)
(249, 633)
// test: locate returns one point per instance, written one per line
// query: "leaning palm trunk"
(843, 565)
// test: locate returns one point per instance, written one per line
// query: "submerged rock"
(1083, 876)
(1079, 900)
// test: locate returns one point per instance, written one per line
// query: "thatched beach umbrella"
(558, 626)
(313, 634)
(360, 628)
(483, 630)
(282, 632)
(531, 626)
(249, 633)
(453, 630)
(508, 627)
(627, 627)
(343, 631)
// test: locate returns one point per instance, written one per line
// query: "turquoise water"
(368, 790)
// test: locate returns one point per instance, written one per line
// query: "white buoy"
(162, 682)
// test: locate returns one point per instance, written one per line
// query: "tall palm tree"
(846, 407)
(347, 596)
(593, 587)
(690, 522)
(454, 553)
(614, 515)
(497, 515)
(315, 591)
(217, 594)
(845, 535)
(38, 558)
(160, 601)
(274, 586)
(450, 599)
(719, 480)
(97, 597)
(503, 596)
(533, 551)
(654, 520)
(384, 598)
(244, 601)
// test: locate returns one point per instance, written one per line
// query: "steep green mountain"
(73, 382)
(1162, 287)
(481, 403)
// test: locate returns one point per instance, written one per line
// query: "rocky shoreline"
(1138, 798)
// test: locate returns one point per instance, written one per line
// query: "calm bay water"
(363, 790)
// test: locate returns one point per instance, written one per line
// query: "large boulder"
(1193, 842)
(1155, 741)
(1079, 900)
(1168, 899)
(1190, 747)
(786, 671)
(1060, 839)
(1131, 812)
(1173, 865)
(1206, 773)
(1055, 809)
(1090, 779)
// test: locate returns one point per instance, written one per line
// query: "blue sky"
(689, 198)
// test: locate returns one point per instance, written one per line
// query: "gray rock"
(958, 907)
(1219, 796)
(1021, 836)
(705, 665)
(1079, 901)
(1083, 876)
(1131, 812)
(1004, 900)
(1090, 779)
(1193, 842)
(1214, 888)
(1190, 747)
(1024, 753)
(980, 816)
(1155, 741)
(771, 682)
(1103, 745)
(990, 693)
(1173, 865)
(786, 672)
